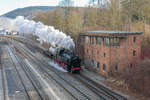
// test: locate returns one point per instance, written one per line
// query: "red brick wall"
(123, 55)
(116, 55)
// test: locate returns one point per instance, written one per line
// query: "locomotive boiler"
(66, 58)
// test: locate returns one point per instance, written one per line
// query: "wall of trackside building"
(107, 59)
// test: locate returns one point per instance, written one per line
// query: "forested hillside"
(28, 11)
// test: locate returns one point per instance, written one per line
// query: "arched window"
(134, 39)
(98, 65)
(134, 53)
(104, 54)
(116, 68)
(104, 67)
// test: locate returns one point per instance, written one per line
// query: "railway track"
(93, 87)
(3, 80)
(101, 91)
(30, 77)
(5, 92)
(106, 90)
(38, 62)
(20, 77)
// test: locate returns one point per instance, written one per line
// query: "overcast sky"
(8, 5)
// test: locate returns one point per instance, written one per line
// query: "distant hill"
(28, 12)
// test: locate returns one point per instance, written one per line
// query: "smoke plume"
(45, 33)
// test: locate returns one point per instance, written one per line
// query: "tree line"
(125, 15)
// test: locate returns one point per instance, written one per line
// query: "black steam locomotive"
(67, 59)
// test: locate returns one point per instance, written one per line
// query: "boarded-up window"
(114, 41)
(106, 41)
(131, 65)
(116, 68)
(98, 40)
(134, 53)
(86, 39)
(87, 51)
(93, 53)
(91, 40)
(104, 54)
(98, 65)
(134, 39)
(98, 54)
(104, 67)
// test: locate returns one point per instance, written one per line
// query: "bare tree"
(98, 3)
(66, 3)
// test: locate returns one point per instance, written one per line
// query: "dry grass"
(120, 85)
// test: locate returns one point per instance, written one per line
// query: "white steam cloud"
(45, 33)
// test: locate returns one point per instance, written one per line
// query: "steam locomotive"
(66, 58)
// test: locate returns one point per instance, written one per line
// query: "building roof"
(113, 32)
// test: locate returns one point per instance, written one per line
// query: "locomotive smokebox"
(53, 50)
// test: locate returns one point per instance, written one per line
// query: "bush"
(138, 77)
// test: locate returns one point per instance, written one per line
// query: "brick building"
(109, 51)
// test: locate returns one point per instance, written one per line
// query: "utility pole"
(98, 3)
(119, 4)
(130, 16)
(93, 3)
(127, 4)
